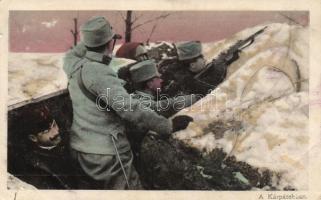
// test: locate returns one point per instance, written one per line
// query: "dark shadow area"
(41, 166)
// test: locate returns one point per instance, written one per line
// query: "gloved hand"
(180, 122)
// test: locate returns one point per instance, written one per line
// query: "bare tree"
(75, 32)
(131, 23)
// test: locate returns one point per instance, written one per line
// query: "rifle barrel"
(234, 49)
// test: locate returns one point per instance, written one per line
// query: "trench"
(163, 164)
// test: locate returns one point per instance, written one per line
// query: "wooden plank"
(36, 99)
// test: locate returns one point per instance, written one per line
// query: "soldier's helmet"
(188, 50)
(143, 71)
(97, 31)
(141, 53)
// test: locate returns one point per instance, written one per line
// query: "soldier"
(132, 50)
(147, 84)
(99, 147)
(179, 75)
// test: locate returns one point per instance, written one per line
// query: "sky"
(50, 31)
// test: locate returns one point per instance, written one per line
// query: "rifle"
(215, 71)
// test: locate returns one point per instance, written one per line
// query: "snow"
(15, 183)
(157, 44)
(24, 28)
(50, 24)
(264, 100)
(32, 75)
(266, 91)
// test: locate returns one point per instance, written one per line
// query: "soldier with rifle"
(178, 73)
(215, 72)
(189, 74)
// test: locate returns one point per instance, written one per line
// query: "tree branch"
(121, 15)
(151, 33)
(289, 18)
(137, 17)
(163, 16)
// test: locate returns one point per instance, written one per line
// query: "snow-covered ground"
(265, 99)
(17, 184)
(32, 75)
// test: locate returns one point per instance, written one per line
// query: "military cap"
(143, 71)
(96, 32)
(140, 50)
(188, 50)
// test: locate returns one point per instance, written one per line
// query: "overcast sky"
(49, 31)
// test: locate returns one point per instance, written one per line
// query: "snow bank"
(13, 183)
(263, 104)
(32, 75)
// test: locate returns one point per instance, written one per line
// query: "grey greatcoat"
(165, 106)
(95, 131)
(92, 128)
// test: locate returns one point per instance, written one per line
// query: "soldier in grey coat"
(99, 147)
(178, 74)
(147, 84)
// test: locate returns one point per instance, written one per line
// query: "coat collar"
(98, 57)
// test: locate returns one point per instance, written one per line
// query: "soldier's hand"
(180, 122)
